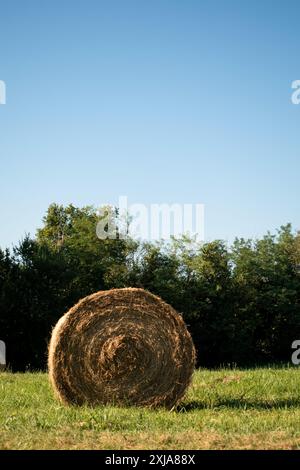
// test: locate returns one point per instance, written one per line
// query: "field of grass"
(224, 409)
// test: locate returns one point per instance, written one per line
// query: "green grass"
(224, 409)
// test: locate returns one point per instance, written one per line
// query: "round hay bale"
(123, 347)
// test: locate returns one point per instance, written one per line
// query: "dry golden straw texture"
(123, 347)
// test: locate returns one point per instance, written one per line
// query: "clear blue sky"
(162, 101)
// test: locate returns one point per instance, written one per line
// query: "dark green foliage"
(241, 303)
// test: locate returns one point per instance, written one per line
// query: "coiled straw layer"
(123, 347)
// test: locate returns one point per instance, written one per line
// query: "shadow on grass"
(238, 404)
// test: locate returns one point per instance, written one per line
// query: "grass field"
(224, 409)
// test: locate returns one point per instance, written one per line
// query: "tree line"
(240, 302)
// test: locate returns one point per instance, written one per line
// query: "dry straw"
(122, 346)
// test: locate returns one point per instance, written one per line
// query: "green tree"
(267, 286)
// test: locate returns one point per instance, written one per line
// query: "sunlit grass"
(257, 408)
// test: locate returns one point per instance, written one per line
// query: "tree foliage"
(241, 303)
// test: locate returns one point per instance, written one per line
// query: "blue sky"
(162, 101)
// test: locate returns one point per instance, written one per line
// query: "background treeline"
(241, 303)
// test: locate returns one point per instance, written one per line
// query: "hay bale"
(123, 346)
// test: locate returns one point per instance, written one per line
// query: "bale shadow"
(235, 403)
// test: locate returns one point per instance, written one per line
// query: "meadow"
(223, 409)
